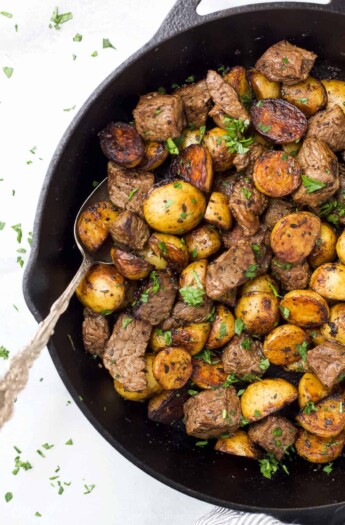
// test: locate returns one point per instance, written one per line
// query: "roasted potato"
(102, 289)
(311, 389)
(152, 388)
(262, 87)
(281, 345)
(334, 330)
(172, 368)
(259, 311)
(203, 242)
(325, 247)
(206, 375)
(335, 92)
(328, 280)
(237, 78)
(239, 444)
(176, 207)
(297, 366)
(304, 308)
(93, 224)
(192, 136)
(156, 260)
(129, 265)
(340, 248)
(278, 120)
(276, 174)
(316, 449)
(293, 236)
(223, 328)
(264, 397)
(194, 164)
(154, 155)
(218, 212)
(263, 283)
(167, 407)
(121, 143)
(308, 95)
(326, 419)
(171, 248)
(215, 141)
(191, 337)
(315, 335)
(194, 274)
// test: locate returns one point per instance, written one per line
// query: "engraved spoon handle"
(17, 376)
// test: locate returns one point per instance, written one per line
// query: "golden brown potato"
(304, 308)
(102, 289)
(311, 389)
(215, 141)
(206, 375)
(316, 449)
(263, 283)
(328, 280)
(335, 93)
(340, 248)
(281, 345)
(276, 174)
(203, 242)
(194, 274)
(237, 78)
(171, 248)
(259, 311)
(308, 95)
(194, 165)
(176, 207)
(293, 236)
(191, 337)
(121, 143)
(324, 250)
(334, 330)
(218, 212)
(315, 335)
(262, 87)
(172, 368)
(167, 407)
(93, 224)
(264, 397)
(326, 419)
(154, 155)
(153, 387)
(129, 265)
(239, 444)
(223, 328)
(297, 366)
(192, 136)
(158, 262)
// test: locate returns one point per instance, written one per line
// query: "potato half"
(328, 280)
(102, 289)
(191, 337)
(203, 242)
(262, 87)
(276, 174)
(264, 397)
(154, 155)
(328, 418)
(172, 368)
(93, 224)
(215, 141)
(171, 248)
(304, 308)
(223, 328)
(309, 95)
(281, 345)
(316, 449)
(153, 387)
(218, 212)
(259, 311)
(340, 248)
(263, 283)
(129, 265)
(335, 93)
(206, 375)
(324, 250)
(194, 165)
(334, 330)
(239, 444)
(311, 389)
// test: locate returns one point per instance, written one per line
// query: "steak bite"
(291, 276)
(243, 356)
(157, 299)
(124, 352)
(212, 412)
(159, 117)
(130, 230)
(183, 314)
(128, 188)
(95, 332)
(247, 204)
(274, 434)
(329, 126)
(276, 209)
(286, 63)
(225, 96)
(327, 361)
(196, 101)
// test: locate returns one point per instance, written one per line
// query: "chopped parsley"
(69, 442)
(2, 225)
(168, 203)
(178, 185)
(264, 364)
(302, 349)
(240, 392)
(107, 43)
(163, 247)
(268, 465)
(171, 147)
(47, 446)
(38, 514)
(274, 290)
(234, 138)
(263, 128)
(243, 420)
(309, 408)
(59, 18)
(251, 271)
(94, 54)
(285, 157)
(4, 353)
(206, 355)
(70, 109)
(89, 488)
(126, 321)
(193, 295)
(8, 71)
(77, 38)
(18, 229)
(256, 249)
(19, 464)
(283, 266)
(230, 380)
(277, 432)
(202, 133)
(167, 337)
(190, 79)
(106, 312)
(6, 14)
(194, 253)
(257, 413)
(247, 193)
(132, 193)
(223, 332)
(302, 100)
(285, 311)
(246, 343)
(328, 468)
(285, 60)
(311, 184)
(192, 392)
(8, 496)
(201, 443)
(239, 326)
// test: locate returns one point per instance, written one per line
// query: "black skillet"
(185, 44)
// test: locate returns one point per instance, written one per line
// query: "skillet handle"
(18, 373)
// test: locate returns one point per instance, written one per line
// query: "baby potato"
(121, 143)
(259, 311)
(264, 397)
(239, 444)
(280, 346)
(340, 248)
(172, 368)
(237, 78)
(325, 247)
(194, 165)
(215, 141)
(328, 280)
(327, 420)
(308, 95)
(192, 136)
(316, 449)
(153, 387)
(218, 212)
(311, 389)
(93, 224)
(335, 93)
(176, 207)
(262, 87)
(304, 308)
(129, 265)
(263, 283)
(315, 335)
(206, 375)
(154, 155)
(156, 260)
(203, 242)
(191, 337)
(171, 248)
(102, 289)
(293, 236)
(194, 274)
(223, 328)
(334, 330)
(167, 407)
(276, 174)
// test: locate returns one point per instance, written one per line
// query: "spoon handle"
(18, 373)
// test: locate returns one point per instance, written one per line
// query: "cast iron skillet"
(186, 44)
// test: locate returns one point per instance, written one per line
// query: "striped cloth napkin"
(220, 516)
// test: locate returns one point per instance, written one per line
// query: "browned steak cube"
(291, 276)
(329, 126)
(243, 356)
(327, 361)
(95, 332)
(130, 230)
(225, 96)
(274, 434)
(157, 299)
(197, 102)
(183, 314)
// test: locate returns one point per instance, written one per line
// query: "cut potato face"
(102, 289)
(206, 375)
(328, 418)
(154, 155)
(264, 397)
(194, 164)
(191, 337)
(328, 280)
(276, 174)
(153, 387)
(121, 143)
(259, 311)
(171, 248)
(263, 283)
(311, 389)
(215, 141)
(172, 368)
(308, 95)
(223, 328)
(304, 308)
(335, 93)
(93, 224)
(203, 242)
(316, 449)
(292, 148)
(340, 248)
(262, 87)
(282, 344)
(194, 274)
(324, 250)
(239, 444)
(158, 262)
(218, 212)
(191, 136)
(334, 330)
(129, 265)
(237, 78)
(293, 236)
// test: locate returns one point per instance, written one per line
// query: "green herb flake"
(107, 43)
(171, 147)
(6, 14)
(309, 408)
(4, 353)
(268, 465)
(285, 60)
(190, 79)
(88, 488)
(302, 349)
(132, 193)
(94, 54)
(264, 364)
(2, 225)
(311, 184)
(69, 442)
(235, 140)
(283, 266)
(277, 432)
(106, 312)
(163, 247)
(256, 249)
(70, 109)
(240, 392)
(8, 496)
(38, 514)
(223, 332)
(257, 413)
(59, 18)
(16, 28)
(285, 157)
(17, 450)
(167, 337)
(239, 326)
(251, 271)
(194, 253)
(202, 131)
(247, 193)
(161, 90)
(201, 443)
(8, 71)
(246, 343)
(19, 464)
(178, 185)
(340, 407)
(206, 355)
(46, 446)
(192, 295)
(274, 290)
(78, 37)
(192, 392)
(244, 421)
(260, 104)
(328, 468)
(285, 312)
(18, 229)
(126, 321)
(302, 100)
(230, 380)
(263, 128)
(40, 453)
(168, 203)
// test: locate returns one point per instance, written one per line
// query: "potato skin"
(129, 265)
(121, 143)
(203, 242)
(310, 388)
(152, 388)
(328, 280)
(154, 155)
(334, 330)
(308, 95)
(259, 311)
(93, 224)
(208, 376)
(175, 208)
(223, 328)
(191, 337)
(325, 248)
(276, 174)
(335, 93)
(262, 283)
(194, 165)
(215, 142)
(280, 345)
(327, 421)
(218, 212)
(262, 87)
(170, 248)
(316, 449)
(102, 289)
(293, 236)
(237, 78)
(264, 397)
(172, 368)
(306, 308)
(239, 444)
(340, 248)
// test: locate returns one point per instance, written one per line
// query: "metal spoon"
(17, 376)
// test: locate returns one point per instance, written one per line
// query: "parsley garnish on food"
(163, 247)
(4, 353)
(285, 60)
(311, 184)
(263, 128)
(234, 139)
(247, 193)
(285, 311)
(132, 193)
(126, 321)
(256, 249)
(59, 18)
(302, 100)
(274, 290)
(190, 79)
(264, 364)
(277, 432)
(268, 465)
(171, 147)
(192, 392)
(309, 408)
(243, 420)
(302, 350)
(202, 133)
(191, 294)
(201, 443)
(251, 271)
(230, 380)
(240, 392)
(178, 185)
(328, 468)
(106, 312)
(206, 355)
(107, 43)
(246, 343)
(239, 326)
(8, 496)
(283, 266)
(8, 71)
(257, 413)
(223, 332)
(167, 337)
